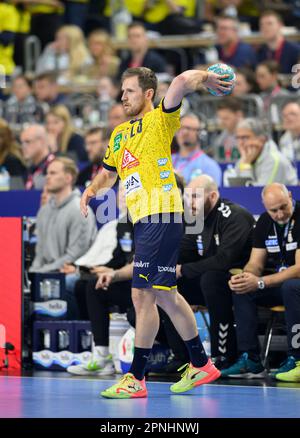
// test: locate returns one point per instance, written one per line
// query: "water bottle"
(4, 179)
(121, 20)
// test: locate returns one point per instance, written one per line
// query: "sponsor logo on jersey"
(165, 174)
(133, 183)
(141, 264)
(166, 269)
(129, 160)
(117, 141)
(162, 161)
(167, 187)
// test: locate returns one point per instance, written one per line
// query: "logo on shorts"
(129, 160)
(132, 183)
(145, 277)
(162, 161)
(166, 269)
(165, 174)
(167, 187)
(117, 141)
(141, 264)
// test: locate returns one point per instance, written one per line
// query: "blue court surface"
(65, 396)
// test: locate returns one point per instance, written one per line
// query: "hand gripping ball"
(222, 69)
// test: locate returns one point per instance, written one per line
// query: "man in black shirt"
(276, 241)
(35, 148)
(206, 259)
(95, 145)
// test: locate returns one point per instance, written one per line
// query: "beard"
(132, 111)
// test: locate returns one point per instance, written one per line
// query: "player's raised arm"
(103, 180)
(192, 80)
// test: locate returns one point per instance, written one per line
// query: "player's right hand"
(87, 195)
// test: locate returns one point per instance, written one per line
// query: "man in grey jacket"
(63, 235)
(261, 161)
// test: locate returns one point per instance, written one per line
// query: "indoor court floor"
(58, 395)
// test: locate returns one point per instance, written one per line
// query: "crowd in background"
(57, 117)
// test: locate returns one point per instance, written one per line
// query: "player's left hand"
(216, 82)
(243, 283)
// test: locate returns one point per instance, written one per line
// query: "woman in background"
(62, 135)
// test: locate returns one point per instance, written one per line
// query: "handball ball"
(222, 69)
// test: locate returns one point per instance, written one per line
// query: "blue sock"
(140, 358)
(197, 353)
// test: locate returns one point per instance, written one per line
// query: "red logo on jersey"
(129, 160)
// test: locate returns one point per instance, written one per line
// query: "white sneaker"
(102, 366)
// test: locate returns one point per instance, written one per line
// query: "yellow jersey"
(9, 21)
(140, 151)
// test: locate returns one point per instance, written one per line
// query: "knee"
(290, 289)
(142, 300)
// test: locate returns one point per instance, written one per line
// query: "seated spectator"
(276, 238)
(46, 19)
(289, 142)
(21, 107)
(261, 161)
(116, 116)
(191, 161)
(230, 48)
(8, 28)
(170, 17)
(105, 62)
(46, 90)
(67, 55)
(64, 139)
(11, 157)
(206, 257)
(96, 146)
(36, 152)
(111, 252)
(139, 52)
(229, 114)
(247, 10)
(63, 234)
(245, 82)
(276, 47)
(267, 73)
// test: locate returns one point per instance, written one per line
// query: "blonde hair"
(105, 39)
(69, 166)
(78, 52)
(62, 113)
(8, 146)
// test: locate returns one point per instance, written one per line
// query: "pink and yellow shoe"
(127, 387)
(193, 377)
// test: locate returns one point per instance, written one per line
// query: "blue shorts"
(156, 252)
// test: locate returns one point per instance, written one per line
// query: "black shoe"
(223, 362)
(172, 366)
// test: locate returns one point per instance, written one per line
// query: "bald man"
(206, 258)
(276, 241)
(36, 152)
